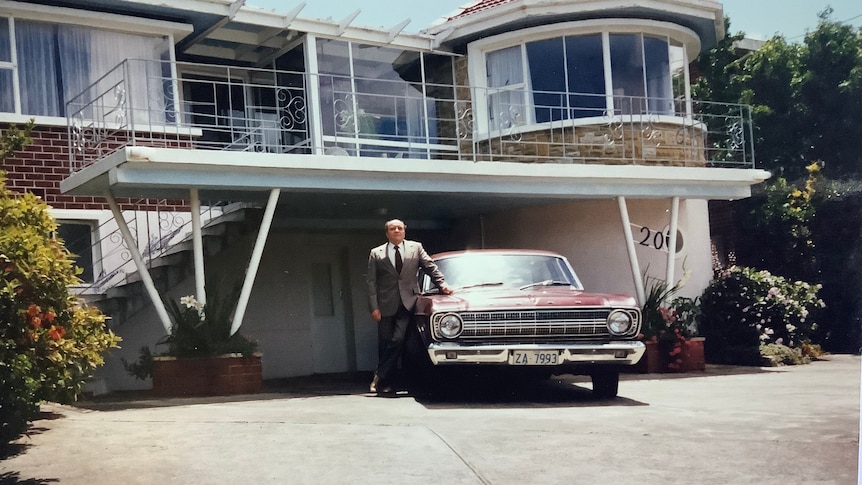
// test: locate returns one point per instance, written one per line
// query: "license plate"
(534, 357)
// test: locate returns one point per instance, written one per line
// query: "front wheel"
(606, 384)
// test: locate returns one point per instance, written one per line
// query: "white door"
(328, 325)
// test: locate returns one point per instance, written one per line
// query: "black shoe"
(386, 392)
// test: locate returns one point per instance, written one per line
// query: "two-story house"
(208, 137)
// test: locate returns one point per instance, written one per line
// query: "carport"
(331, 187)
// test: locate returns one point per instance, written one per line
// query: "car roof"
(536, 252)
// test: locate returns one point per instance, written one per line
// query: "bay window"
(567, 77)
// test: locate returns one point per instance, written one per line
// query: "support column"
(254, 263)
(198, 247)
(630, 246)
(671, 243)
(146, 279)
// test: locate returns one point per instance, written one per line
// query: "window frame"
(169, 31)
(358, 141)
(477, 53)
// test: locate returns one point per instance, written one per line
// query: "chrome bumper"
(622, 353)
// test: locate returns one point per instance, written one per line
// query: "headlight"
(619, 322)
(450, 325)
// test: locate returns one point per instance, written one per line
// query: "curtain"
(658, 76)
(506, 87)
(58, 62)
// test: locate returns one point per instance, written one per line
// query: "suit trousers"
(390, 333)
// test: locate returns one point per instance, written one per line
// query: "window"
(56, 62)
(585, 70)
(78, 239)
(506, 83)
(562, 78)
(7, 93)
(381, 100)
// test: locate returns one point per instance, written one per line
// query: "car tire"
(606, 384)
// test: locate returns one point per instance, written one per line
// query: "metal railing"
(145, 103)
(158, 230)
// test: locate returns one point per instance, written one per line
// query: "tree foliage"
(806, 97)
(806, 100)
(49, 342)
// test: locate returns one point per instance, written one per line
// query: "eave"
(445, 187)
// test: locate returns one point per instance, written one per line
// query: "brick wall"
(40, 167)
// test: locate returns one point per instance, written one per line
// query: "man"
(392, 291)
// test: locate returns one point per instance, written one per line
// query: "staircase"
(119, 291)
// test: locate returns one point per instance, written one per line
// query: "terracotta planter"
(692, 355)
(653, 360)
(207, 376)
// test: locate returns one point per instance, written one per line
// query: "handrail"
(258, 110)
(158, 232)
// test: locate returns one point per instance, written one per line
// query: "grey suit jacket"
(387, 289)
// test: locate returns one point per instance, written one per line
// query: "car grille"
(537, 325)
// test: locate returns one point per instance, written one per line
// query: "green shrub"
(49, 342)
(779, 354)
(744, 308)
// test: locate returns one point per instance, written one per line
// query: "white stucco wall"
(590, 234)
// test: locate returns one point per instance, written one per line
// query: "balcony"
(205, 107)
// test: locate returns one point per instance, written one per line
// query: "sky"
(759, 19)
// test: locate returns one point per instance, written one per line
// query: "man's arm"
(430, 268)
(371, 284)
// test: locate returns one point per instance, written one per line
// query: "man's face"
(395, 232)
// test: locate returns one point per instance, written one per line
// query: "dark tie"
(398, 263)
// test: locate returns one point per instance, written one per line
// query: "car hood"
(508, 298)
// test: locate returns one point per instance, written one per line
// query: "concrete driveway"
(728, 425)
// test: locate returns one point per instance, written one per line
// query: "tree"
(806, 98)
(806, 101)
(49, 342)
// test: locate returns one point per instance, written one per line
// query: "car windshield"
(473, 270)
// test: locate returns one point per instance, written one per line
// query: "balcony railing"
(205, 107)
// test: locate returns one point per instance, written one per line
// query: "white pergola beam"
(342, 26)
(395, 30)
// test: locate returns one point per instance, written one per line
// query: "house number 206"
(659, 240)
(654, 239)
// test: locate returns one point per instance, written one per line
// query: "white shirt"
(390, 252)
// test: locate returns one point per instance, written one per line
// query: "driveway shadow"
(496, 393)
(563, 390)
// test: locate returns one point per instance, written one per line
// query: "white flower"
(790, 327)
(191, 302)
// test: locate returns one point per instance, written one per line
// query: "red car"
(522, 310)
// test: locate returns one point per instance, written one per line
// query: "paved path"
(729, 425)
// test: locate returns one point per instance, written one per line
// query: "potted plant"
(669, 329)
(200, 355)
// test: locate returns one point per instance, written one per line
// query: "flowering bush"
(49, 342)
(744, 308)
